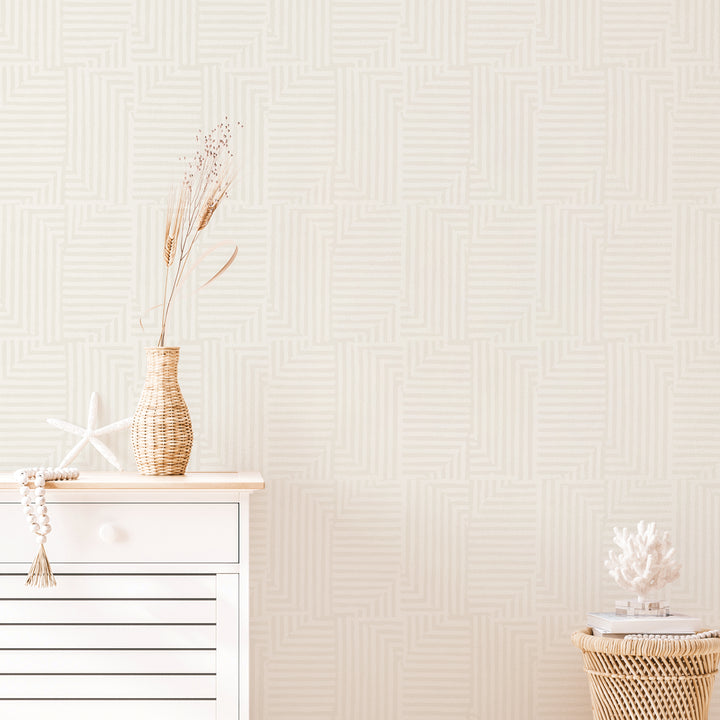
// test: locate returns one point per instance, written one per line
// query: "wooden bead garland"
(694, 636)
(36, 513)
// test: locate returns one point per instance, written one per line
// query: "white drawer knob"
(108, 533)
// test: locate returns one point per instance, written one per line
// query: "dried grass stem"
(190, 209)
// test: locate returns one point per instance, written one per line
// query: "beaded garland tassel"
(36, 513)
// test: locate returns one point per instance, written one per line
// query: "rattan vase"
(161, 430)
(647, 679)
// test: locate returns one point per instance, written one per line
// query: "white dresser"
(149, 619)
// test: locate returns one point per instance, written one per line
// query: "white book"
(647, 624)
(607, 635)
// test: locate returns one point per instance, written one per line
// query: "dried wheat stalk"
(205, 184)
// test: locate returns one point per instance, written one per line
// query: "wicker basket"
(649, 679)
(161, 430)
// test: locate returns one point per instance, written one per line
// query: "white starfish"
(90, 434)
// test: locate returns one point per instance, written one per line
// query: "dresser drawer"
(137, 533)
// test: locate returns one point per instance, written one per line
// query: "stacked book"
(610, 625)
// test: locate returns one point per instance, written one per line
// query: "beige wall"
(473, 324)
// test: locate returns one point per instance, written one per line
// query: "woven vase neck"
(162, 364)
(162, 359)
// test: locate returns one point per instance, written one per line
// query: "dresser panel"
(108, 709)
(139, 533)
(107, 636)
(107, 611)
(203, 587)
(157, 686)
(109, 661)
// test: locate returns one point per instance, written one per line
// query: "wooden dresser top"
(95, 480)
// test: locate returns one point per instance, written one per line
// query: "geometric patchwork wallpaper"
(474, 322)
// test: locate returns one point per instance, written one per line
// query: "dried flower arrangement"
(208, 176)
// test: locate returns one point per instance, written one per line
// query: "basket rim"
(646, 647)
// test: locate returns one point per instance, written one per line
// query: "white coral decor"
(646, 561)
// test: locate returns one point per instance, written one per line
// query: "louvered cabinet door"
(138, 647)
